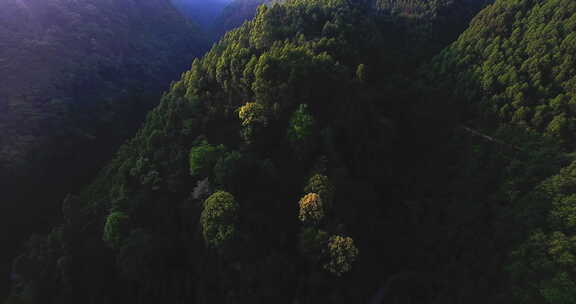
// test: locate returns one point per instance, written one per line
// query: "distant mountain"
(59, 56)
(76, 78)
(203, 12)
(235, 13)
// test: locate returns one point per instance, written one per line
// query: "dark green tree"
(116, 229)
(301, 131)
(227, 170)
(321, 185)
(219, 220)
(342, 253)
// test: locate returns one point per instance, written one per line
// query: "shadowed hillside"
(202, 12)
(77, 78)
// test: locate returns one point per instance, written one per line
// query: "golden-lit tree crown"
(311, 208)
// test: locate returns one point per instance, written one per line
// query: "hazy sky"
(200, 3)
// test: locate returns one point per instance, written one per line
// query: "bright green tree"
(203, 157)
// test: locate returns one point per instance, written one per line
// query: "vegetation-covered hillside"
(512, 75)
(304, 160)
(62, 55)
(272, 170)
(203, 204)
(424, 28)
(77, 78)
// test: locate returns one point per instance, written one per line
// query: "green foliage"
(227, 169)
(302, 130)
(116, 229)
(560, 290)
(203, 158)
(517, 65)
(411, 7)
(514, 69)
(424, 28)
(145, 173)
(546, 255)
(219, 220)
(313, 243)
(362, 73)
(304, 64)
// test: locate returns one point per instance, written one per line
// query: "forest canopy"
(344, 152)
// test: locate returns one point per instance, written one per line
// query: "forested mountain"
(77, 52)
(513, 81)
(77, 78)
(419, 28)
(295, 162)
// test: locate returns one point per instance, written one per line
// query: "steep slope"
(291, 163)
(77, 79)
(424, 28)
(520, 64)
(246, 66)
(512, 77)
(253, 180)
(60, 54)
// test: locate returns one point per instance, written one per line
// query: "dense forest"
(333, 151)
(78, 55)
(77, 79)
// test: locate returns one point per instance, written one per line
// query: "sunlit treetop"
(342, 253)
